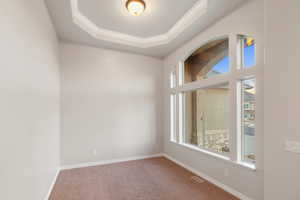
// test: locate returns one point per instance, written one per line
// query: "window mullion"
(233, 112)
(180, 112)
(233, 119)
(258, 147)
(222, 79)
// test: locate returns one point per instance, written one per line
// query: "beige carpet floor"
(149, 179)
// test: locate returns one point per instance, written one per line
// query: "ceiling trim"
(99, 33)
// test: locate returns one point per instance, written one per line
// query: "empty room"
(149, 100)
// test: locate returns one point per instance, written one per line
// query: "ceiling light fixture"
(135, 7)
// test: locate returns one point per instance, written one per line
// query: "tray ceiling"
(158, 18)
(164, 25)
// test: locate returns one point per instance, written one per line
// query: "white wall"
(29, 100)
(246, 20)
(282, 97)
(111, 103)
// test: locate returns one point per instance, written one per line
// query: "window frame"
(241, 134)
(236, 74)
(173, 116)
(182, 107)
(240, 54)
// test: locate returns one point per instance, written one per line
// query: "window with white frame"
(247, 97)
(246, 53)
(213, 98)
(173, 106)
(206, 118)
(173, 79)
(173, 117)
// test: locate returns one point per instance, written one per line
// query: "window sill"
(246, 165)
(218, 156)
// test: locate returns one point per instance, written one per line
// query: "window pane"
(173, 79)
(209, 60)
(206, 118)
(248, 118)
(248, 51)
(173, 117)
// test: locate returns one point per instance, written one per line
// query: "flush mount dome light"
(135, 7)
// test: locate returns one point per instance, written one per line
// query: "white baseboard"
(52, 184)
(210, 179)
(105, 162)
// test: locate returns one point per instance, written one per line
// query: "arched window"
(209, 60)
(217, 115)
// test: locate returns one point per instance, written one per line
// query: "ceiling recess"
(192, 15)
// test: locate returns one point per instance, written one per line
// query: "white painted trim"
(105, 162)
(52, 184)
(184, 22)
(210, 179)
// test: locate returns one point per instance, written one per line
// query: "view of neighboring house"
(248, 119)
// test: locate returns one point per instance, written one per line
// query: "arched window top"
(209, 60)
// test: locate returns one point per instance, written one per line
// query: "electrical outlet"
(292, 146)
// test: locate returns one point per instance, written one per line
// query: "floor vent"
(197, 179)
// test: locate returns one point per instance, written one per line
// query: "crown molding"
(99, 33)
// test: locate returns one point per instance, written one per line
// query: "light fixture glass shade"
(135, 7)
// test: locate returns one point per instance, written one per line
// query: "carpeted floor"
(149, 179)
